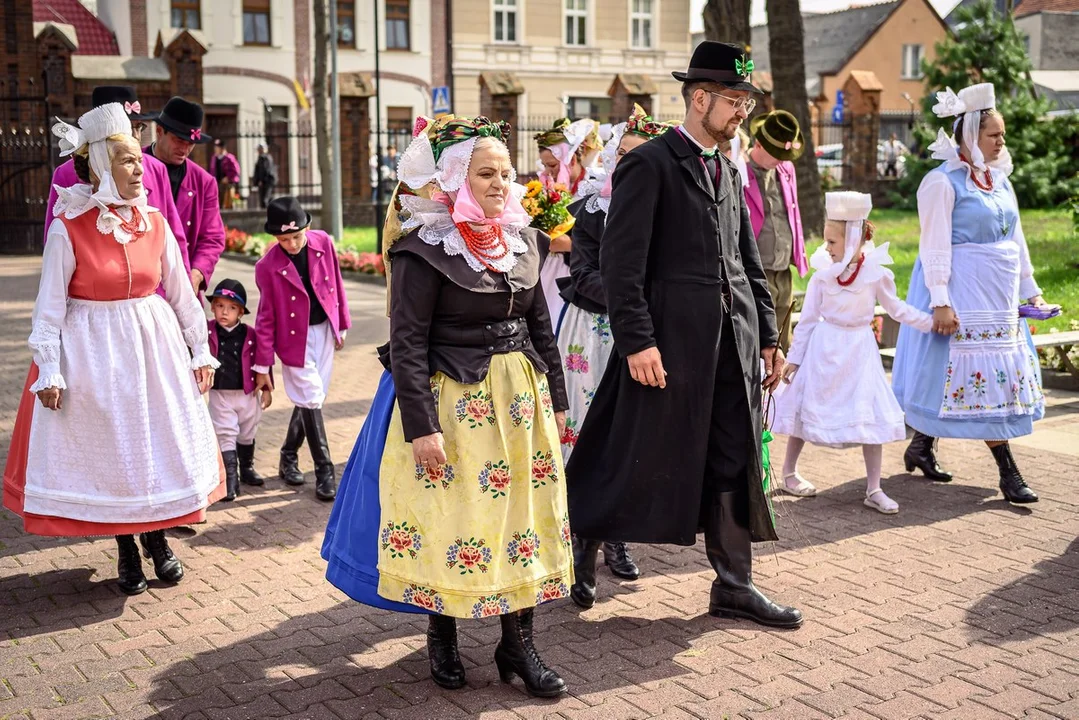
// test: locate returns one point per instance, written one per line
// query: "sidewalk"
(959, 607)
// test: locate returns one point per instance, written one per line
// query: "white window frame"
(506, 7)
(910, 69)
(651, 17)
(576, 13)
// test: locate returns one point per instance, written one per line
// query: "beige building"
(564, 55)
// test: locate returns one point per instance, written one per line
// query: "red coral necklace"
(487, 245)
(133, 226)
(988, 186)
(857, 269)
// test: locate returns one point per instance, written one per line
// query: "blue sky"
(759, 17)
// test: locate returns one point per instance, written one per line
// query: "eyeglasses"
(742, 103)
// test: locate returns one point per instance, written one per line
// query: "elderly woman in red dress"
(112, 437)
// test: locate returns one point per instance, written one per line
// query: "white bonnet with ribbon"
(968, 104)
(852, 208)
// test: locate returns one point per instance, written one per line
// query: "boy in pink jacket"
(302, 318)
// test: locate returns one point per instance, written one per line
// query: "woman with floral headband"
(112, 437)
(978, 377)
(470, 488)
(584, 333)
(566, 153)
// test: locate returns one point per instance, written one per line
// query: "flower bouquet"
(547, 204)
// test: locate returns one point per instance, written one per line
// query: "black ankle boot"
(288, 469)
(319, 445)
(618, 560)
(232, 475)
(1013, 486)
(167, 566)
(583, 592)
(446, 668)
(730, 551)
(129, 573)
(246, 456)
(920, 455)
(516, 655)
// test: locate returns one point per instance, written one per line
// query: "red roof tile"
(1030, 7)
(94, 36)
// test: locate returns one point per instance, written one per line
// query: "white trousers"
(307, 386)
(236, 417)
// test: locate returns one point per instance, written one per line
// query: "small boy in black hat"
(235, 406)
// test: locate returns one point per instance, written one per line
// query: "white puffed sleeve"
(1028, 288)
(900, 311)
(808, 320)
(50, 309)
(936, 200)
(185, 303)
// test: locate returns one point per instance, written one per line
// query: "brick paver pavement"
(959, 607)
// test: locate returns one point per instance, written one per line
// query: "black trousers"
(730, 432)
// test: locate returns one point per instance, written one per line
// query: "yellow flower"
(534, 188)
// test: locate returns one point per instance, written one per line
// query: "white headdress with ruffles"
(93, 131)
(853, 208)
(968, 104)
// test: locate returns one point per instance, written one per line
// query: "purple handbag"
(1026, 310)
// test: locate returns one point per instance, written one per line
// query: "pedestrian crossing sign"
(440, 100)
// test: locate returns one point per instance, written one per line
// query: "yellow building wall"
(914, 22)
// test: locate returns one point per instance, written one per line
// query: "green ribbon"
(709, 154)
(766, 476)
(743, 67)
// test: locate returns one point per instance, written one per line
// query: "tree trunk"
(323, 121)
(727, 21)
(786, 50)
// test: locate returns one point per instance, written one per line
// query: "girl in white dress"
(838, 394)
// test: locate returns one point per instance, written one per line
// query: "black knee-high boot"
(288, 469)
(583, 591)
(319, 445)
(446, 668)
(920, 455)
(730, 551)
(232, 475)
(246, 456)
(516, 655)
(1013, 486)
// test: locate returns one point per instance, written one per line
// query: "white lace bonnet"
(577, 135)
(419, 166)
(852, 208)
(94, 129)
(968, 104)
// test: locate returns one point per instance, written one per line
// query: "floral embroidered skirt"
(487, 533)
(984, 382)
(585, 344)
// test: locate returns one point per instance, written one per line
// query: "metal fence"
(901, 124)
(27, 158)
(293, 147)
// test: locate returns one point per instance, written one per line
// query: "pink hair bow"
(290, 226)
(196, 134)
(132, 107)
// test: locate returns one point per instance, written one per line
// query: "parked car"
(830, 161)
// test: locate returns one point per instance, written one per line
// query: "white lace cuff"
(1028, 288)
(49, 377)
(261, 369)
(202, 358)
(938, 296)
(45, 342)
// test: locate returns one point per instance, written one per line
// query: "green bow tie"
(709, 154)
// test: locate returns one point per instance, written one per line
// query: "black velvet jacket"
(584, 286)
(446, 316)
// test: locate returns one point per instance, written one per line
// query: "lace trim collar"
(436, 227)
(79, 199)
(873, 268)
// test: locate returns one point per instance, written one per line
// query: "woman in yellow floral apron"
(473, 517)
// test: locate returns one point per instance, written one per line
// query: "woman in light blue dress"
(977, 376)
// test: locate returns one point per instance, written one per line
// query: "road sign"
(837, 114)
(440, 100)
(839, 97)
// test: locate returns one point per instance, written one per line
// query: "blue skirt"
(351, 542)
(920, 371)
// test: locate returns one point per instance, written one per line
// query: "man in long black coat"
(672, 441)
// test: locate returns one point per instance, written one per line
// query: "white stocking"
(872, 454)
(794, 450)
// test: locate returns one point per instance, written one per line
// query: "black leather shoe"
(319, 445)
(167, 566)
(730, 551)
(129, 573)
(516, 655)
(618, 560)
(246, 456)
(446, 668)
(919, 454)
(583, 591)
(1013, 486)
(288, 469)
(232, 476)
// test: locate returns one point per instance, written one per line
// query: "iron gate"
(26, 165)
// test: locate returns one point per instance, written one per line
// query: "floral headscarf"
(565, 139)
(641, 123)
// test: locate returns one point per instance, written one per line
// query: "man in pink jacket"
(179, 130)
(226, 170)
(155, 178)
(772, 197)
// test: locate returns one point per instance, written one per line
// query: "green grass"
(1053, 244)
(357, 239)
